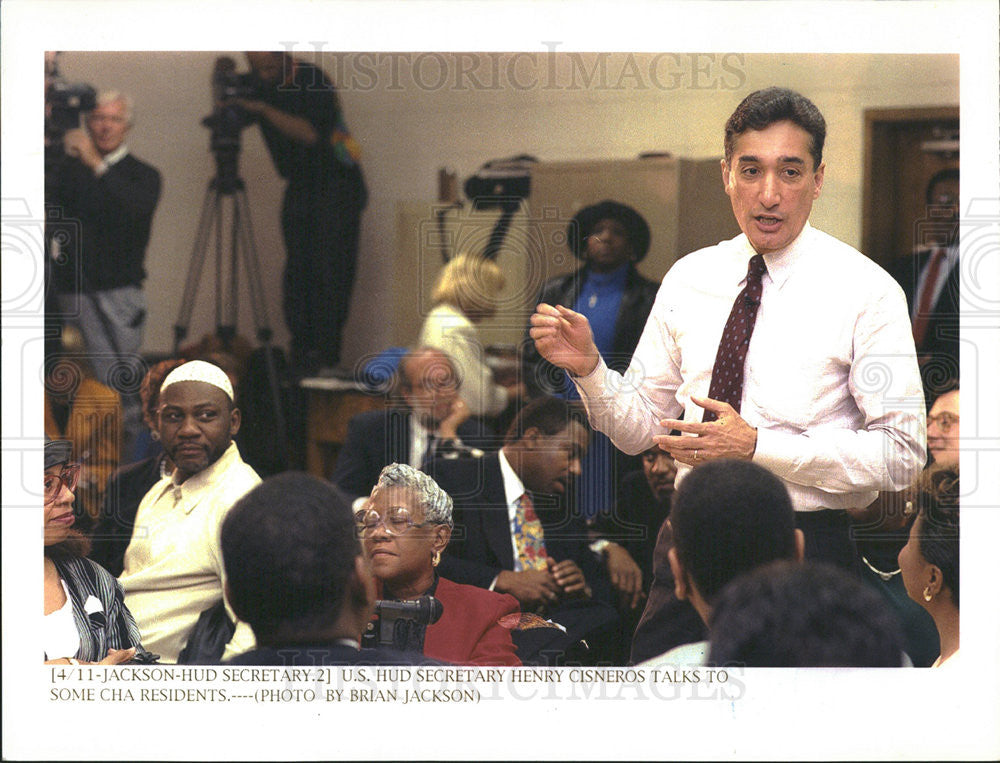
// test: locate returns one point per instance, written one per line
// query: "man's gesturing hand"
(728, 437)
(564, 338)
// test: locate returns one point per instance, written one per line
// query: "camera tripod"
(241, 248)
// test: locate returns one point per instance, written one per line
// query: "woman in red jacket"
(404, 527)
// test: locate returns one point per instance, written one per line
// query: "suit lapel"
(495, 521)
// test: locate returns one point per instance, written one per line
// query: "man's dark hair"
(763, 108)
(550, 415)
(950, 173)
(729, 517)
(289, 547)
(810, 615)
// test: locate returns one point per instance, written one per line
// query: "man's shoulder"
(466, 479)
(368, 420)
(133, 164)
(838, 260)
(707, 257)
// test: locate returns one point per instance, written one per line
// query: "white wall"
(415, 113)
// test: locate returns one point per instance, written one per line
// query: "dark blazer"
(106, 222)
(376, 439)
(481, 545)
(941, 340)
(541, 376)
(469, 632)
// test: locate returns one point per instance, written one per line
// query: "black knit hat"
(57, 452)
(584, 221)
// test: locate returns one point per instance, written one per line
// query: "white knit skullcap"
(200, 371)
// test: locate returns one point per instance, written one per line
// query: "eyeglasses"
(396, 521)
(945, 421)
(69, 476)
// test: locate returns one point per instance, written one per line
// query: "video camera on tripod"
(228, 118)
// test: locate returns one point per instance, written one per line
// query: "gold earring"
(436, 559)
(927, 593)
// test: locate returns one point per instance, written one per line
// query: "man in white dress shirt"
(831, 400)
(173, 564)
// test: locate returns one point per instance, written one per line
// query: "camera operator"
(100, 204)
(300, 117)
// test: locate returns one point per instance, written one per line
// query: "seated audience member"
(930, 562)
(882, 529)
(127, 486)
(514, 532)
(626, 535)
(86, 620)
(810, 615)
(405, 526)
(728, 517)
(173, 569)
(466, 294)
(943, 427)
(297, 574)
(434, 421)
(84, 411)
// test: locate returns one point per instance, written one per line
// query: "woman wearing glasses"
(404, 527)
(86, 620)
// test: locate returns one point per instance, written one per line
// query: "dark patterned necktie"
(727, 373)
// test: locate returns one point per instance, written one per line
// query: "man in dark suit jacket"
(375, 439)
(525, 484)
(936, 316)
(295, 571)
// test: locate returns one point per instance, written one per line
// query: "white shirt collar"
(780, 263)
(116, 156)
(513, 488)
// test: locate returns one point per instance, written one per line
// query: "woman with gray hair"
(405, 526)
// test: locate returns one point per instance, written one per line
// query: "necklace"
(886, 576)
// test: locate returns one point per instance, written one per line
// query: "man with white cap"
(173, 565)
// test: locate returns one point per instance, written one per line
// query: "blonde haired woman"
(466, 294)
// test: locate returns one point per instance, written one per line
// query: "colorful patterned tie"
(923, 316)
(529, 536)
(727, 373)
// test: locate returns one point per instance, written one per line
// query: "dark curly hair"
(763, 108)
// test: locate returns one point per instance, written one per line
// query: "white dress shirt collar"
(513, 488)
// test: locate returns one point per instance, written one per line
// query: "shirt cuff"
(101, 168)
(776, 451)
(593, 383)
